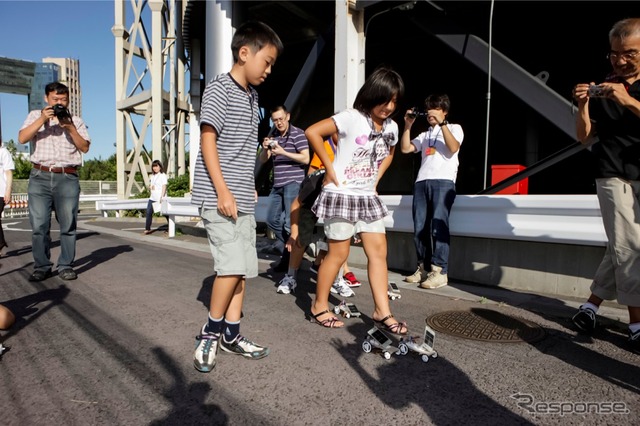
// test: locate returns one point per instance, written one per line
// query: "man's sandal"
(398, 328)
(330, 322)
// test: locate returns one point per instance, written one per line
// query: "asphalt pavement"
(116, 347)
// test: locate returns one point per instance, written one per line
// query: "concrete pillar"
(120, 34)
(349, 56)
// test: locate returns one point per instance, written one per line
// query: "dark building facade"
(564, 41)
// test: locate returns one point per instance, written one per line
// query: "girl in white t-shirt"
(349, 203)
(158, 188)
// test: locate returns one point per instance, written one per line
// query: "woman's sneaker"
(204, 358)
(341, 288)
(244, 347)
(351, 280)
(287, 285)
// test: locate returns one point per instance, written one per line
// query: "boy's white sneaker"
(341, 288)
(287, 285)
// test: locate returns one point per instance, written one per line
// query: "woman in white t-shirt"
(6, 180)
(158, 188)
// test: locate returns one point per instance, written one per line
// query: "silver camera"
(272, 143)
(596, 91)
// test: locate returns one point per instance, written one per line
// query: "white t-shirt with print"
(443, 164)
(358, 157)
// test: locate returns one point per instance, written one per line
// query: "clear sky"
(32, 30)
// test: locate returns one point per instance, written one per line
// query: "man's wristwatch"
(444, 123)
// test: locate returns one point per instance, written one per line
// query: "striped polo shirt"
(233, 113)
(286, 170)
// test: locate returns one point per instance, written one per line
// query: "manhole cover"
(487, 325)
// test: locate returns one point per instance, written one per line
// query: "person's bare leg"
(337, 254)
(226, 290)
(234, 310)
(295, 259)
(375, 247)
(594, 299)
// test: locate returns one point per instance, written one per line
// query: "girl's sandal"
(331, 322)
(398, 328)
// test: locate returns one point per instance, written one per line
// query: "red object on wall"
(500, 172)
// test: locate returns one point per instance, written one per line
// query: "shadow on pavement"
(442, 387)
(100, 256)
(27, 309)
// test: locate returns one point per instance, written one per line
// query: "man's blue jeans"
(279, 213)
(59, 192)
(432, 202)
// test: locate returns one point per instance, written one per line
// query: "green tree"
(178, 186)
(98, 169)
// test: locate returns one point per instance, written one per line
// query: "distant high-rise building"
(44, 74)
(69, 74)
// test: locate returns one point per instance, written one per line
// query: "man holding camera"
(611, 111)
(289, 150)
(59, 140)
(435, 188)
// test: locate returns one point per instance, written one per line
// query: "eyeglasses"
(627, 56)
(277, 120)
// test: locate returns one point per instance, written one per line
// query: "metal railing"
(90, 192)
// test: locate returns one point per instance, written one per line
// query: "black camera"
(596, 91)
(61, 112)
(415, 112)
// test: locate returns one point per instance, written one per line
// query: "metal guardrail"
(19, 205)
(566, 219)
(90, 191)
(175, 207)
(105, 206)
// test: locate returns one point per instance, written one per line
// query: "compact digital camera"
(273, 143)
(415, 112)
(596, 91)
(60, 111)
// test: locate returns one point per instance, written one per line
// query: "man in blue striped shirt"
(289, 149)
(224, 188)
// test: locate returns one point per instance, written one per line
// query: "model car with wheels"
(393, 291)
(425, 349)
(346, 309)
(378, 339)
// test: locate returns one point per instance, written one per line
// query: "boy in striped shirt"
(224, 188)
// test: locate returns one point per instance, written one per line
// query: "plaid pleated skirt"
(352, 208)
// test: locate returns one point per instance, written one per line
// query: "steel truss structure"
(150, 90)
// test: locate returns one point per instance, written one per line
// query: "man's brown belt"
(68, 170)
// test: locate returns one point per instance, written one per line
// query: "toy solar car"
(425, 349)
(376, 338)
(393, 291)
(346, 309)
